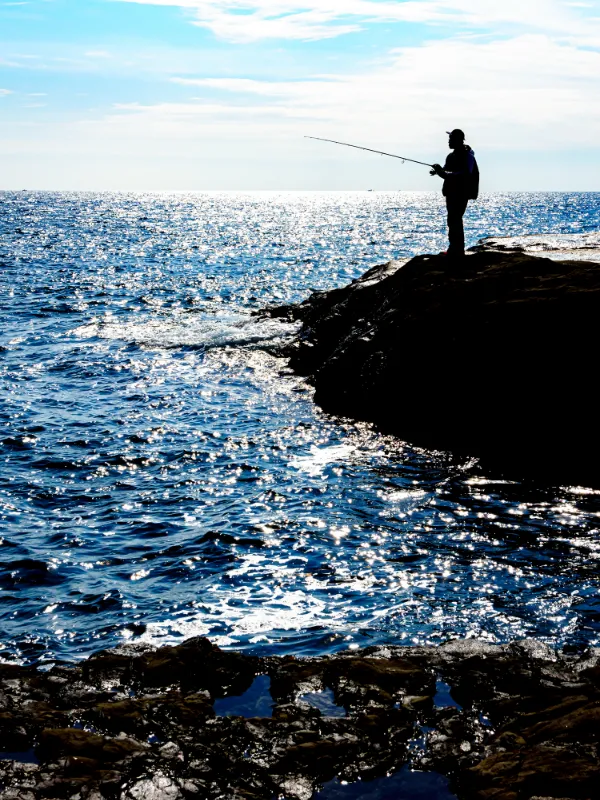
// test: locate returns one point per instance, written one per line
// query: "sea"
(164, 474)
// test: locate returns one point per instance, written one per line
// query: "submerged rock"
(491, 357)
(520, 722)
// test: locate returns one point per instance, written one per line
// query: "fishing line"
(370, 150)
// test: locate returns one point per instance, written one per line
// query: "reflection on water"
(163, 476)
(443, 696)
(255, 702)
(23, 756)
(407, 784)
(324, 701)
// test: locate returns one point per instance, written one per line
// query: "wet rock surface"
(513, 722)
(490, 356)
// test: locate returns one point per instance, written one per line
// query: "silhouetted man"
(461, 184)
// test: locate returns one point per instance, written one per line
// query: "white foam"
(573, 246)
(185, 330)
(320, 457)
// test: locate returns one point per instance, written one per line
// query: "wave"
(558, 246)
(185, 331)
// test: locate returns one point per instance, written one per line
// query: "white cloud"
(251, 20)
(289, 90)
(525, 92)
(522, 95)
(4, 92)
(523, 89)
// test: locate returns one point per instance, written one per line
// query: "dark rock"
(538, 771)
(528, 726)
(107, 666)
(292, 676)
(198, 664)
(84, 744)
(123, 715)
(389, 677)
(492, 356)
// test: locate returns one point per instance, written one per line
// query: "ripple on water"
(164, 476)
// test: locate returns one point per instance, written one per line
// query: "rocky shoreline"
(502, 722)
(492, 357)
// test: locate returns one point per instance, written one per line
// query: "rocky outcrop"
(511, 722)
(492, 357)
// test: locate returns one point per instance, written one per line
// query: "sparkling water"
(164, 475)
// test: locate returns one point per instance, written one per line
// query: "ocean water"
(163, 475)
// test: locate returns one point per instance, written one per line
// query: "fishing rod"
(370, 150)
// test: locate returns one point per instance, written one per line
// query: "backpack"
(473, 185)
(468, 183)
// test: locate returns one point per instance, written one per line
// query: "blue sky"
(218, 94)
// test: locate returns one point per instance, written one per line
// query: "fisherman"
(461, 184)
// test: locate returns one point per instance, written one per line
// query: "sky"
(219, 94)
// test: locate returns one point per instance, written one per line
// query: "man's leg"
(456, 234)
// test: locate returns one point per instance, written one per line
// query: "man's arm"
(446, 173)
